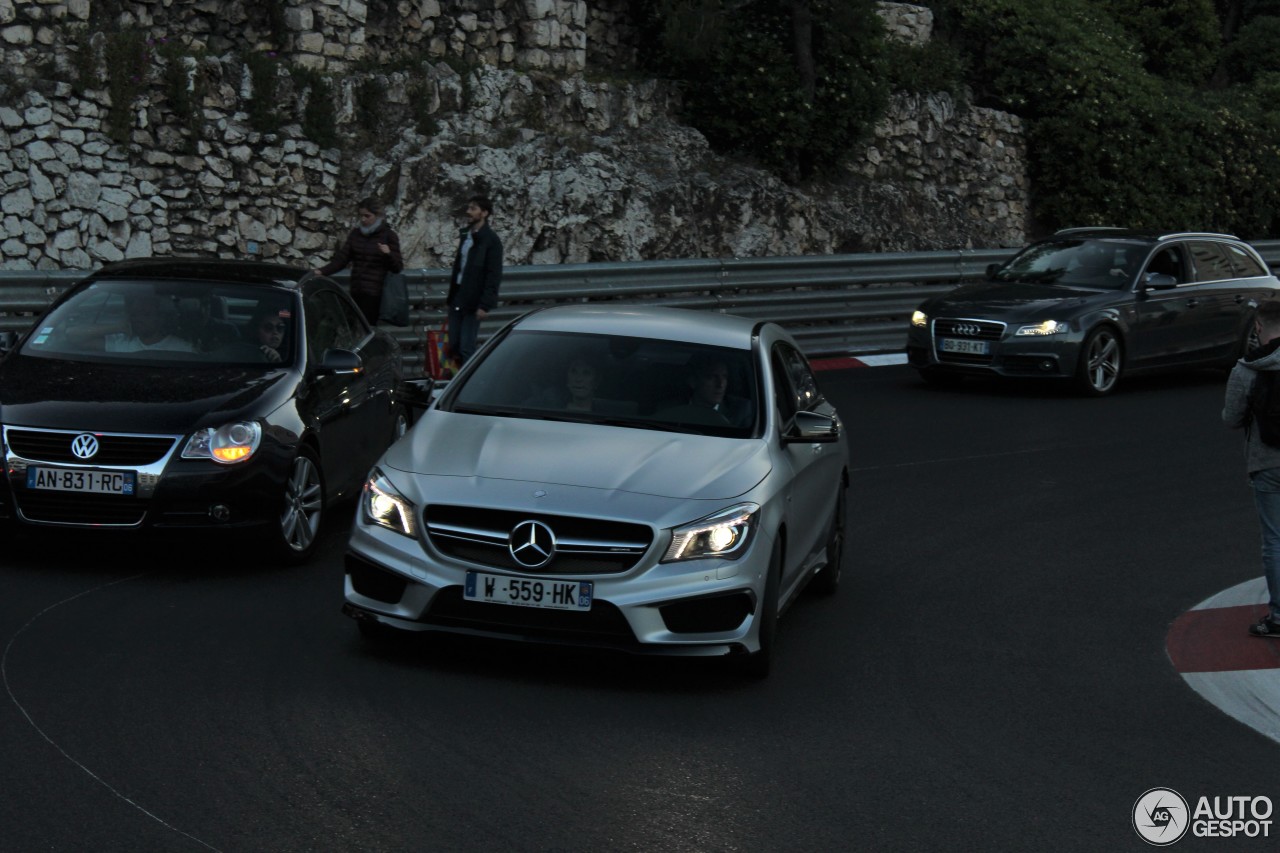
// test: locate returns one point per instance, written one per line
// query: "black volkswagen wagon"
(190, 393)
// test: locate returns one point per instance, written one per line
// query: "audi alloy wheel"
(1101, 359)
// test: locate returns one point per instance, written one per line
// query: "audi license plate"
(967, 347)
(82, 480)
(549, 594)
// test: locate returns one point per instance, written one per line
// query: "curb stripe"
(1216, 639)
(845, 362)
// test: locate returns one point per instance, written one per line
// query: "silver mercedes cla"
(654, 480)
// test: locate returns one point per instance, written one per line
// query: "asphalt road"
(992, 675)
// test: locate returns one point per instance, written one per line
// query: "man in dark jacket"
(373, 250)
(1262, 459)
(476, 277)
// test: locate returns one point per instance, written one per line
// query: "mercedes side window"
(803, 383)
(784, 396)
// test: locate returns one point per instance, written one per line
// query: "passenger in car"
(267, 330)
(578, 393)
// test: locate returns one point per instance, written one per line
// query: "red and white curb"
(843, 362)
(1211, 648)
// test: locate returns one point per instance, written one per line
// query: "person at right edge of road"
(474, 282)
(1263, 460)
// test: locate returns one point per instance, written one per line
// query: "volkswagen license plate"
(549, 593)
(967, 347)
(83, 480)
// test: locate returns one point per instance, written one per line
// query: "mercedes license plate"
(84, 480)
(549, 593)
(967, 347)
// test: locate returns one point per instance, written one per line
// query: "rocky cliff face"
(580, 170)
(605, 173)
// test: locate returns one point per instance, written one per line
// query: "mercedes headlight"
(919, 319)
(1048, 327)
(227, 444)
(722, 534)
(382, 505)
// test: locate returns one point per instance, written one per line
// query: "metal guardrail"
(832, 304)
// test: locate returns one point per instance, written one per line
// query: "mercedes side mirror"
(812, 427)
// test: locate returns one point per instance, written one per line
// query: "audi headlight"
(227, 444)
(919, 319)
(723, 534)
(382, 505)
(1048, 327)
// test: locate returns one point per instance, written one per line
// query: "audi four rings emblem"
(85, 446)
(969, 329)
(532, 544)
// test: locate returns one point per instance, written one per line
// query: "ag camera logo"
(1160, 816)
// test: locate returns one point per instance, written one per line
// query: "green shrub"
(1123, 128)
(936, 66)
(371, 100)
(1178, 38)
(747, 88)
(185, 87)
(263, 108)
(1253, 52)
(319, 118)
(128, 60)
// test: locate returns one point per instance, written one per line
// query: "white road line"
(4, 676)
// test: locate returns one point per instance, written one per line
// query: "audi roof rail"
(1183, 234)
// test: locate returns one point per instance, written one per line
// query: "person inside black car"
(267, 330)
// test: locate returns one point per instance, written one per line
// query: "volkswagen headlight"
(919, 319)
(722, 534)
(1048, 327)
(382, 505)
(227, 444)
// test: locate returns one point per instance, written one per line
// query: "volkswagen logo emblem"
(971, 330)
(532, 544)
(84, 446)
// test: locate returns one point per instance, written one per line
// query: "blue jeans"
(1266, 495)
(464, 328)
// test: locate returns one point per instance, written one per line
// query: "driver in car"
(150, 319)
(709, 397)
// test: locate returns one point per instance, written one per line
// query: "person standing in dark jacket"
(373, 250)
(476, 277)
(1262, 460)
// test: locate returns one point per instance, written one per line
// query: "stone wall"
(340, 35)
(580, 169)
